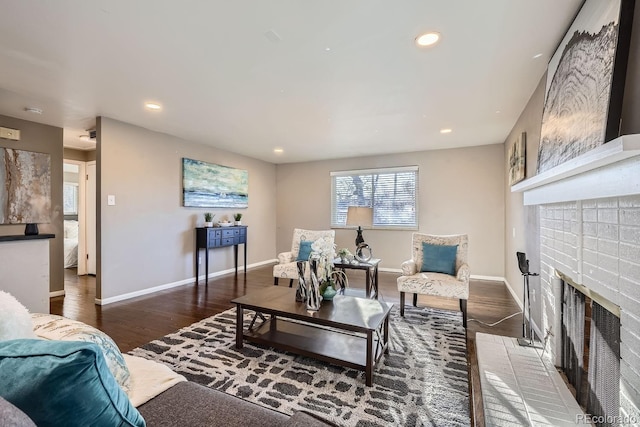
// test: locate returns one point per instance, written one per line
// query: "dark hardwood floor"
(134, 322)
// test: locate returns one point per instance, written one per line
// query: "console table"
(219, 237)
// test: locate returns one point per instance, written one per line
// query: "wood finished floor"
(134, 322)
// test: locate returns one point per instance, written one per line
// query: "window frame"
(376, 171)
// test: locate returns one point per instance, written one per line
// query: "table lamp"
(360, 216)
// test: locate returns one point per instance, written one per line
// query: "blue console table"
(219, 237)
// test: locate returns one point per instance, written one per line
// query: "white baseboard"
(110, 300)
(498, 279)
(513, 294)
(56, 294)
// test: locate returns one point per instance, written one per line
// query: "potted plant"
(208, 219)
(344, 255)
(238, 217)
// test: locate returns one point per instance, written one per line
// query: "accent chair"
(286, 268)
(438, 267)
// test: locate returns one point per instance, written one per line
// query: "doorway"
(79, 195)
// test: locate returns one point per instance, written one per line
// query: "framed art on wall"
(585, 82)
(209, 185)
(25, 187)
(517, 159)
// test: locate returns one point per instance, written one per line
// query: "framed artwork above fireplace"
(585, 82)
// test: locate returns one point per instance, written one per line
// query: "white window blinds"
(392, 192)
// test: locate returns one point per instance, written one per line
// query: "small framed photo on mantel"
(517, 159)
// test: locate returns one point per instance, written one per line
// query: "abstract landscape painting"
(25, 187)
(577, 109)
(213, 186)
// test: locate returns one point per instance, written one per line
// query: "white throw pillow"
(15, 320)
(53, 327)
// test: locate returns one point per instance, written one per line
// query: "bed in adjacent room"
(70, 243)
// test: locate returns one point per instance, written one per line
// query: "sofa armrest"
(285, 257)
(463, 273)
(409, 268)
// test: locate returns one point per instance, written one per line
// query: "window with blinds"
(392, 192)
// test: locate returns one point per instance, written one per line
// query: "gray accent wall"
(43, 139)
(460, 192)
(521, 222)
(147, 239)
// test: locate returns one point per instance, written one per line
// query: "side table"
(371, 269)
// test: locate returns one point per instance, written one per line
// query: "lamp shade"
(360, 216)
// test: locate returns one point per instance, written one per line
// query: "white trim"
(117, 298)
(376, 170)
(513, 294)
(613, 151)
(488, 278)
(390, 270)
(56, 294)
(610, 170)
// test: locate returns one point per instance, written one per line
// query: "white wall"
(147, 239)
(460, 192)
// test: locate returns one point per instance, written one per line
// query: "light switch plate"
(111, 200)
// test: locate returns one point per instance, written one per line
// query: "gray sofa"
(188, 404)
(193, 405)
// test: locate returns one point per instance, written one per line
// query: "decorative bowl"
(225, 224)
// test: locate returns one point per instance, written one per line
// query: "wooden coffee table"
(348, 331)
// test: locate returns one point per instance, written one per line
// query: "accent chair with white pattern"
(415, 281)
(287, 268)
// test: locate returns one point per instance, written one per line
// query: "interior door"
(91, 218)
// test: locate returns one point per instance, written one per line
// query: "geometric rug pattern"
(423, 381)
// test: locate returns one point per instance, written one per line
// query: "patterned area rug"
(421, 382)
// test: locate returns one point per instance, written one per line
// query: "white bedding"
(70, 243)
(148, 379)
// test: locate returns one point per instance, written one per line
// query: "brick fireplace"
(589, 228)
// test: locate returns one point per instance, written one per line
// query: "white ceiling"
(320, 79)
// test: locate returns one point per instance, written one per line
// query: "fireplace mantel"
(611, 170)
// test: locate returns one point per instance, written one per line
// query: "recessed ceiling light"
(427, 39)
(153, 106)
(498, 111)
(278, 150)
(446, 130)
(537, 55)
(34, 110)
(327, 49)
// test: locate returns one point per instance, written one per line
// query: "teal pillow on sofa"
(305, 250)
(63, 383)
(439, 258)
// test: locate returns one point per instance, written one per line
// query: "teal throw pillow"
(439, 258)
(63, 383)
(305, 250)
